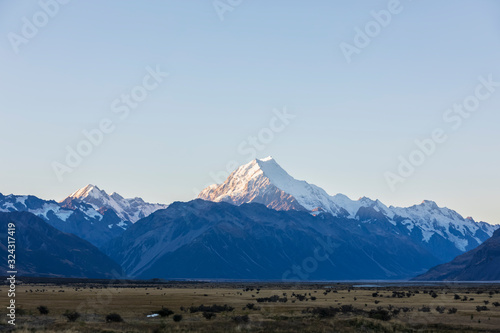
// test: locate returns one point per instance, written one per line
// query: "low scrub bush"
(72, 316)
(322, 312)
(209, 315)
(380, 314)
(276, 299)
(164, 312)
(241, 319)
(213, 308)
(114, 318)
(43, 310)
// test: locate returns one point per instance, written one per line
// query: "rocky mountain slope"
(479, 264)
(202, 239)
(42, 250)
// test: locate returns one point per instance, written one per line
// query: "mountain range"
(262, 223)
(89, 213)
(130, 210)
(440, 230)
(210, 240)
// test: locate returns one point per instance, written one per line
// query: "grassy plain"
(308, 307)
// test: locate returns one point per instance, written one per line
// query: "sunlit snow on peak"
(269, 158)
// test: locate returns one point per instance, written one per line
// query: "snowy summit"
(130, 210)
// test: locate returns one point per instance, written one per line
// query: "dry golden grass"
(135, 302)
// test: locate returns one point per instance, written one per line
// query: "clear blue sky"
(352, 121)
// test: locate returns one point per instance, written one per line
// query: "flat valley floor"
(251, 307)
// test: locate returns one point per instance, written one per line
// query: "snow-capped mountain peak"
(429, 204)
(87, 191)
(130, 210)
(265, 181)
(266, 159)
